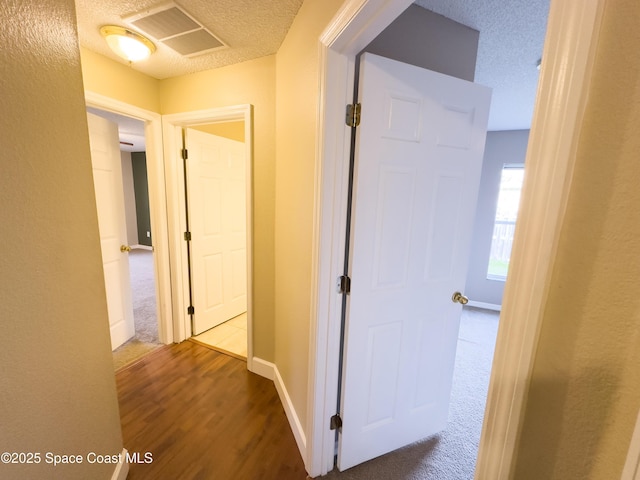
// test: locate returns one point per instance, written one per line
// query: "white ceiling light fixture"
(127, 44)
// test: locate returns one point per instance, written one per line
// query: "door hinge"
(191, 310)
(344, 284)
(185, 154)
(353, 114)
(335, 422)
(187, 236)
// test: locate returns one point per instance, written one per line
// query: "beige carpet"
(144, 310)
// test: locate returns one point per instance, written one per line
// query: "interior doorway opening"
(216, 191)
(138, 248)
(572, 34)
(459, 61)
(199, 266)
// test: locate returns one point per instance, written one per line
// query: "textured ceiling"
(251, 28)
(511, 40)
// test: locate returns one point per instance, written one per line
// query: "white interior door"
(217, 221)
(107, 179)
(418, 161)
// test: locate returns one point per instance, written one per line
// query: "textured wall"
(249, 82)
(585, 389)
(57, 385)
(502, 147)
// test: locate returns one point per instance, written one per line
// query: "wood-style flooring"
(202, 415)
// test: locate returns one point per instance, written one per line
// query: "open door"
(418, 160)
(107, 179)
(217, 221)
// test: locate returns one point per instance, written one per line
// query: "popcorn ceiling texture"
(511, 40)
(252, 29)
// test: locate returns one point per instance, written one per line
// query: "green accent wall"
(141, 189)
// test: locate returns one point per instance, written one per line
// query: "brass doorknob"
(125, 248)
(460, 298)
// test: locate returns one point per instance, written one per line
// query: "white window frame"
(506, 166)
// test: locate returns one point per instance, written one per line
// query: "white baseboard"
(269, 370)
(263, 368)
(486, 306)
(122, 468)
(294, 421)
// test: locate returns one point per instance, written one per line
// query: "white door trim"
(172, 127)
(157, 202)
(631, 469)
(572, 35)
(570, 47)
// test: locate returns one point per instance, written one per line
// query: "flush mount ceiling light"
(127, 44)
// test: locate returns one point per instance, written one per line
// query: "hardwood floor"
(202, 415)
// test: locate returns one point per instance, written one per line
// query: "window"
(505, 223)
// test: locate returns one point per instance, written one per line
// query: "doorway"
(215, 174)
(181, 213)
(157, 203)
(572, 31)
(141, 284)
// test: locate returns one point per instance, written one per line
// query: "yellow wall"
(120, 82)
(296, 120)
(58, 390)
(585, 389)
(249, 82)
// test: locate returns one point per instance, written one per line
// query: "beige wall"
(120, 82)
(585, 390)
(249, 82)
(296, 120)
(58, 389)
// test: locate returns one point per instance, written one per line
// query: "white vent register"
(174, 27)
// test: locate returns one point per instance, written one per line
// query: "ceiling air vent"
(171, 25)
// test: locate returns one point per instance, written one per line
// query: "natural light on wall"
(505, 223)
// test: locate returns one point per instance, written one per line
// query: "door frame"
(172, 126)
(569, 51)
(157, 202)
(631, 470)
